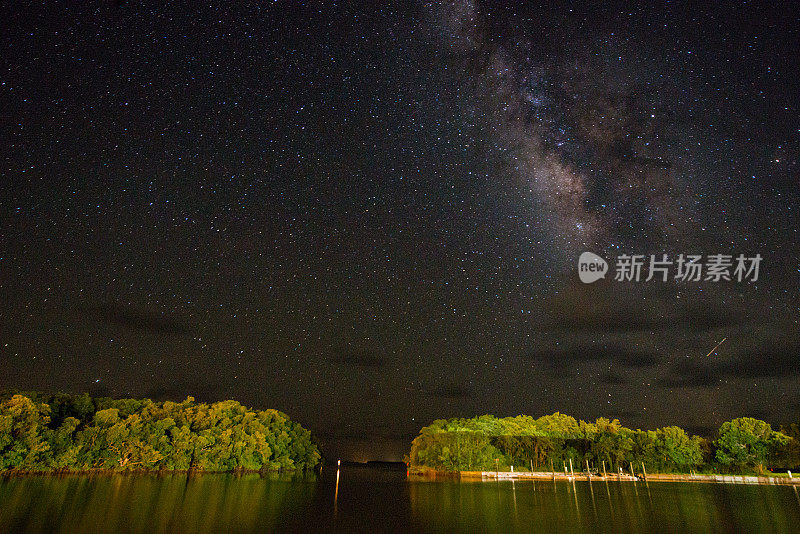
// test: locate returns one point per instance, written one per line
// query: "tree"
(22, 443)
(142, 434)
(747, 443)
(675, 450)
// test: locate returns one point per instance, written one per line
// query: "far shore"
(613, 477)
(10, 473)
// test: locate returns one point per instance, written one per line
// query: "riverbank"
(559, 476)
(15, 473)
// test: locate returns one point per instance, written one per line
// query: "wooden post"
(604, 469)
(571, 470)
(588, 473)
(632, 473)
(644, 472)
(553, 469)
(531, 467)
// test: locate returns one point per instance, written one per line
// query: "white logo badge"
(591, 267)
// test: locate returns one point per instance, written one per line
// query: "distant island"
(553, 442)
(42, 432)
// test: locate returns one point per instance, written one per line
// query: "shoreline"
(484, 476)
(10, 473)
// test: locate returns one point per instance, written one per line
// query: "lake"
(375, 499)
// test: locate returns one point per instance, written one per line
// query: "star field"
(370, 217)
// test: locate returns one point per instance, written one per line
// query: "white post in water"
(512, 468)
(571, 470)
(790, 474)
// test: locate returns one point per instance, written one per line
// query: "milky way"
(368, 215)
(587, 136)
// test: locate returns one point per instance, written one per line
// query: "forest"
(743, 445)
(41, 432)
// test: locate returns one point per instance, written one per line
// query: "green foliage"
(552, 441)
(747, 443)
(125, 434)
(789, 456)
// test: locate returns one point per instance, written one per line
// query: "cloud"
(574, 355)
(611, 378)
(364, 359)
(137, 319)
(625, 415)
(451, 392)
(611, 308)
(688, 373)
(771, 360)
(767, 361)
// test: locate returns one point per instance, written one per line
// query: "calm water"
(375, 500)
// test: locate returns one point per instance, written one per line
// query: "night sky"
(370, 217)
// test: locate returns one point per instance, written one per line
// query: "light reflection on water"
(150, 503)
(356, 499)
(581, 506)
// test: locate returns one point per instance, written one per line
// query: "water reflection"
(474, 507)
(361, 499)
(145, 503)
(336, 493)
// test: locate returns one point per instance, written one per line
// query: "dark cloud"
(773, 360)
(360, 359)
(635, 318)
(605, 308)
(137, 319)
(689, 374)
(594, 352)
(705, 318)
(768, 361)
(451, 392)
(611, 378)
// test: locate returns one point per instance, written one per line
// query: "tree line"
(53, 432)
(550, 442)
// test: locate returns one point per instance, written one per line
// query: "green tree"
(747, 443)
